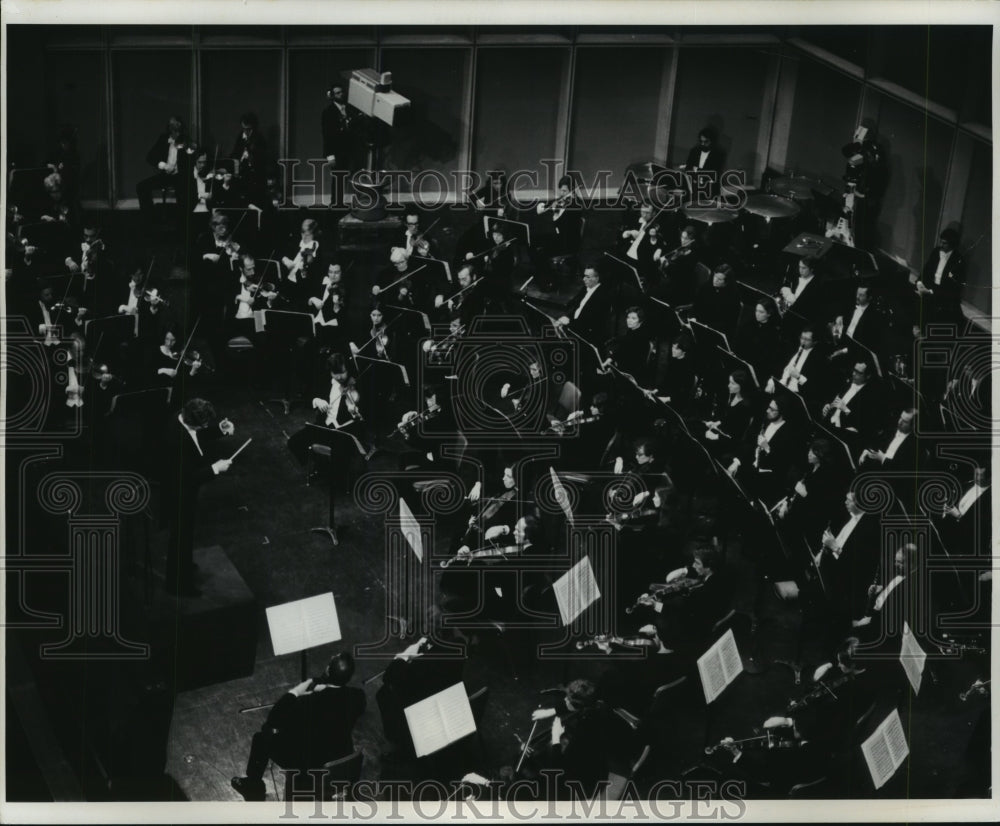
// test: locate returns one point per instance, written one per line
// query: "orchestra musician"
(856, 409)
(303, 265)
(250, 151)
(170, 156)
(587, 314)
(717, 304)
(758, 340)
(767, 459)
(806, 371)
(939, 287)
(678, 269)
(706, 158)
(634, 352)
(730, 429)
(805, 296)
(227, 191)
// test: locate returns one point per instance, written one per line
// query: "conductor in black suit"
(309, 726)
(187, 466)
(171, 157)
(587, 314)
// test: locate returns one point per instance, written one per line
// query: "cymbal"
(710, 216)
(771, 206)
(796, 188)
(645, 170)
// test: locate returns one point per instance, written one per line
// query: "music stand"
(512, 229)
(732, 362)
(434, 265)
(112, 329)
(705, 336)
(829, 434)
(338, 441)
(794, 399)
(285, 328)
(384, 367)
(424, 319)
(870, 354)
(632, 271)
(680, 323)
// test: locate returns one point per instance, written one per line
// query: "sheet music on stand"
(719, 666)
(561, 495)
(303, 623)
(411, 529)
(912, 657)
(886, 749)
(576, 590)
(440, 720)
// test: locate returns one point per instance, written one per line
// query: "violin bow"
(403, 277)
(180, 359)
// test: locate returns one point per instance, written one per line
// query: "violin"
(489, 507)
(778, 738)
(411, 419)
(823, 690)
(658, 590)
(303, 260)
(486, 552)
(611, 639)
(559, 427)
(621, 520)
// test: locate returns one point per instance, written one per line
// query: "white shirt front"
(803, 283)
(133, 301)
(795, 363)
(171, 153)
(859, 311)
(897, 440)
(845, 533)
(852, 391)
(336, 396)
(942, 263)
(702, 159)
(192, 433)
(244, 309)
(969, 499)
(769, 431)
(586, 298)
(882, 597)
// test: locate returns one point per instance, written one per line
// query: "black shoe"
(251, 790)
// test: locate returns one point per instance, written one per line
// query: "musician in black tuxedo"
(717, 304)
(901, 450)
(804, 297)
(587, 314)
(766, 462)
(187, 465)
(857, 407)
(894, 599)
(966, 524)
(706, 157)
(250, 150)
(339, 142)
(806, 369)
(170, 156)
(849, 559)
(862, 322)
(940, 284)
(310, 725)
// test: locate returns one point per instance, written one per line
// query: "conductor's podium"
(211, 638)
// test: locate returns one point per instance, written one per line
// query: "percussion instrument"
(800, 190)
(769, 219)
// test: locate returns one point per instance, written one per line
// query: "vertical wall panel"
(917, 151)
(723, 88)
(234, 82)
(823, 119)
(149, 87)
(616, 95)
(74, 94)
(977, 228)
(517, 107)
(430, 134)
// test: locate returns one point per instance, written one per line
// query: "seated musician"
(309, 726)
(631, 683)
(632, 235)
(584, 733)
(730, 429)
(685, 625)
(493, 196)
(893, 600)
(170, 157)
(490, 512)
(862, 321)
(166, 362)
(414, 240)
(805, 295)
(678, 269)
(856, 409)
(635, 352)
(902, 449)
(56, 207)
(759, 340)
(717, 304)
(646, 472)
(155, 317)
(465, 302)
(227, 192)
(331, 313)
(965, 526)
(765, 460)
(806, 371)
(812, 501)
(427, 431)
(303, 265)
(587, 314)
(675, 377)
(338, 409)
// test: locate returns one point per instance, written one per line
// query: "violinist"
(330, 314)
(576, 736)
(414, 236)
(400, 292)
(498, 269)
(381, 343)
(630, 683)
(154, 319)
(678, 269)
(303, 264)
(254, 296)
(439, 353)
(166, 361)
(426, 431)
(466, 301)
(490, 512)
(56, 207)
(200, 185)
(685, 625)
(136, 292)
(649, 252)
(338, 409)
(214, 272)
(227, 192)
(562, 221)
(494, 196)
(91, 262)
(170, 156)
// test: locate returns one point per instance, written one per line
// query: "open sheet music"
(440, 720)
(304, 623)
(719, 666)
(885, 750)
(576, 590)
(912, 657)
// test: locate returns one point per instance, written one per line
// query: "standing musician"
(250, 151)
(498, 270)
(706, 157)
(199, 190)
(563, 236)
(215, 272)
